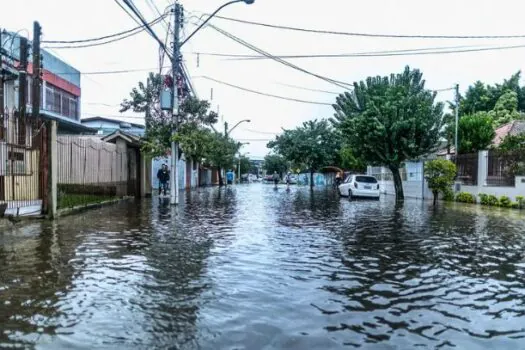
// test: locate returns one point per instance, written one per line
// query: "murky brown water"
(252, 268)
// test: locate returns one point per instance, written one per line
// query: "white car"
(360, 186)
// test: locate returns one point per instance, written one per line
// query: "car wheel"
(350, 197)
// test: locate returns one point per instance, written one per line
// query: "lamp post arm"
(236, 125)
(207, 20)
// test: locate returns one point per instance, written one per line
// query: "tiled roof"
(513, 128)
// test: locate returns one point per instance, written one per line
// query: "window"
(61, 102)
(366, 179)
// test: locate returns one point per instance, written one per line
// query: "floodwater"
(253, 268)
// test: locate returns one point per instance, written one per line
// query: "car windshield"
(366, 179)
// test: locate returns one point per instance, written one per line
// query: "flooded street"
(253, 268)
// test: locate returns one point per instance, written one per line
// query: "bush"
(505, 202)
(490, 200)
(515, 205)
(521, 202)
(465, 197)
(448, 195)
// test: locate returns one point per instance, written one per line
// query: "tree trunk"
(311, 179)
(435, 194)
(398, 183)
(221, 182)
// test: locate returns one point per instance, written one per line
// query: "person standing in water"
(229, 177)
(164, 177)
(276, 178)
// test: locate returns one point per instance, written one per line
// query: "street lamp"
(227, 132)
(248, 2)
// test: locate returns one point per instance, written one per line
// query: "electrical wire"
(307, 89)
(102, 37)
(94, 44)
(372, 35)
(137, 13)
(338, 83)
(264, 94)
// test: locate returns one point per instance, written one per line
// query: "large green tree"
(506, 109)
(311, 146)
(145, 99)
(482, 97)
(390, 120)
(275, 162)
(475, 132)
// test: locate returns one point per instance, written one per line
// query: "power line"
(307, 89)
(372, 35)
(407, 52)
(102, 37)
(340, 84)
(95, 44)
(137, 13)
(265, 94)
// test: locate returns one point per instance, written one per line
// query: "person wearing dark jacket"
(164, 177)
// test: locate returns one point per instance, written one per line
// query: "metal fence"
(91, 171)
(23, 164)
(503, 167)
(467, 168)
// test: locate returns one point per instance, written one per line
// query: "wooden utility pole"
(174, 178)
(22, 79)
(1, 83)
(37, 71)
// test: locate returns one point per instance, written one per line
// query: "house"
(106, 126)
(23, 144)
(514, 128)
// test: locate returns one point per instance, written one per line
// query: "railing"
(503, 167)
(23, 163)
(467, 168)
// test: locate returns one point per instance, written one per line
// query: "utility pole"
(174, 178)
(22, 80)
(1, 84)
(457, 121)
(37, 71)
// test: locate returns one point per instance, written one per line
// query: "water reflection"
(252, 267)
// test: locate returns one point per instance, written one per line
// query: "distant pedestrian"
(229, 177)
(288, 179)
(276, 178)
(164, 177)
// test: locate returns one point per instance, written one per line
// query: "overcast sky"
(101, 94)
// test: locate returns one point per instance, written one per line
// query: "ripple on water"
(252, 268)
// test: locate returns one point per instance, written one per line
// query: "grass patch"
(71, 200)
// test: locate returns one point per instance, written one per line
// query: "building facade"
(106, 126)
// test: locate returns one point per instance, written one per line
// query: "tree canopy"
(311, 146)
(145, 99)
(389, 120)
(275, 162)
(475, 132)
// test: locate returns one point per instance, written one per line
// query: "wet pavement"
(253, 268)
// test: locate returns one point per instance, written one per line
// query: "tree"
(440, 174)
(145, 99)
(310, 146)
(505, 110)
(221, 153)
(483, 98)
(245, 163)
(513, 143)
(194, 141)
(275, 162)
(475, 132)
(350, 161)
(389, 120)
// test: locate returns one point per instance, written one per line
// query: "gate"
(23, 159)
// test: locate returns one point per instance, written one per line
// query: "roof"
(129, 138)
(104, 119)
(66, 124)
(516, 127)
